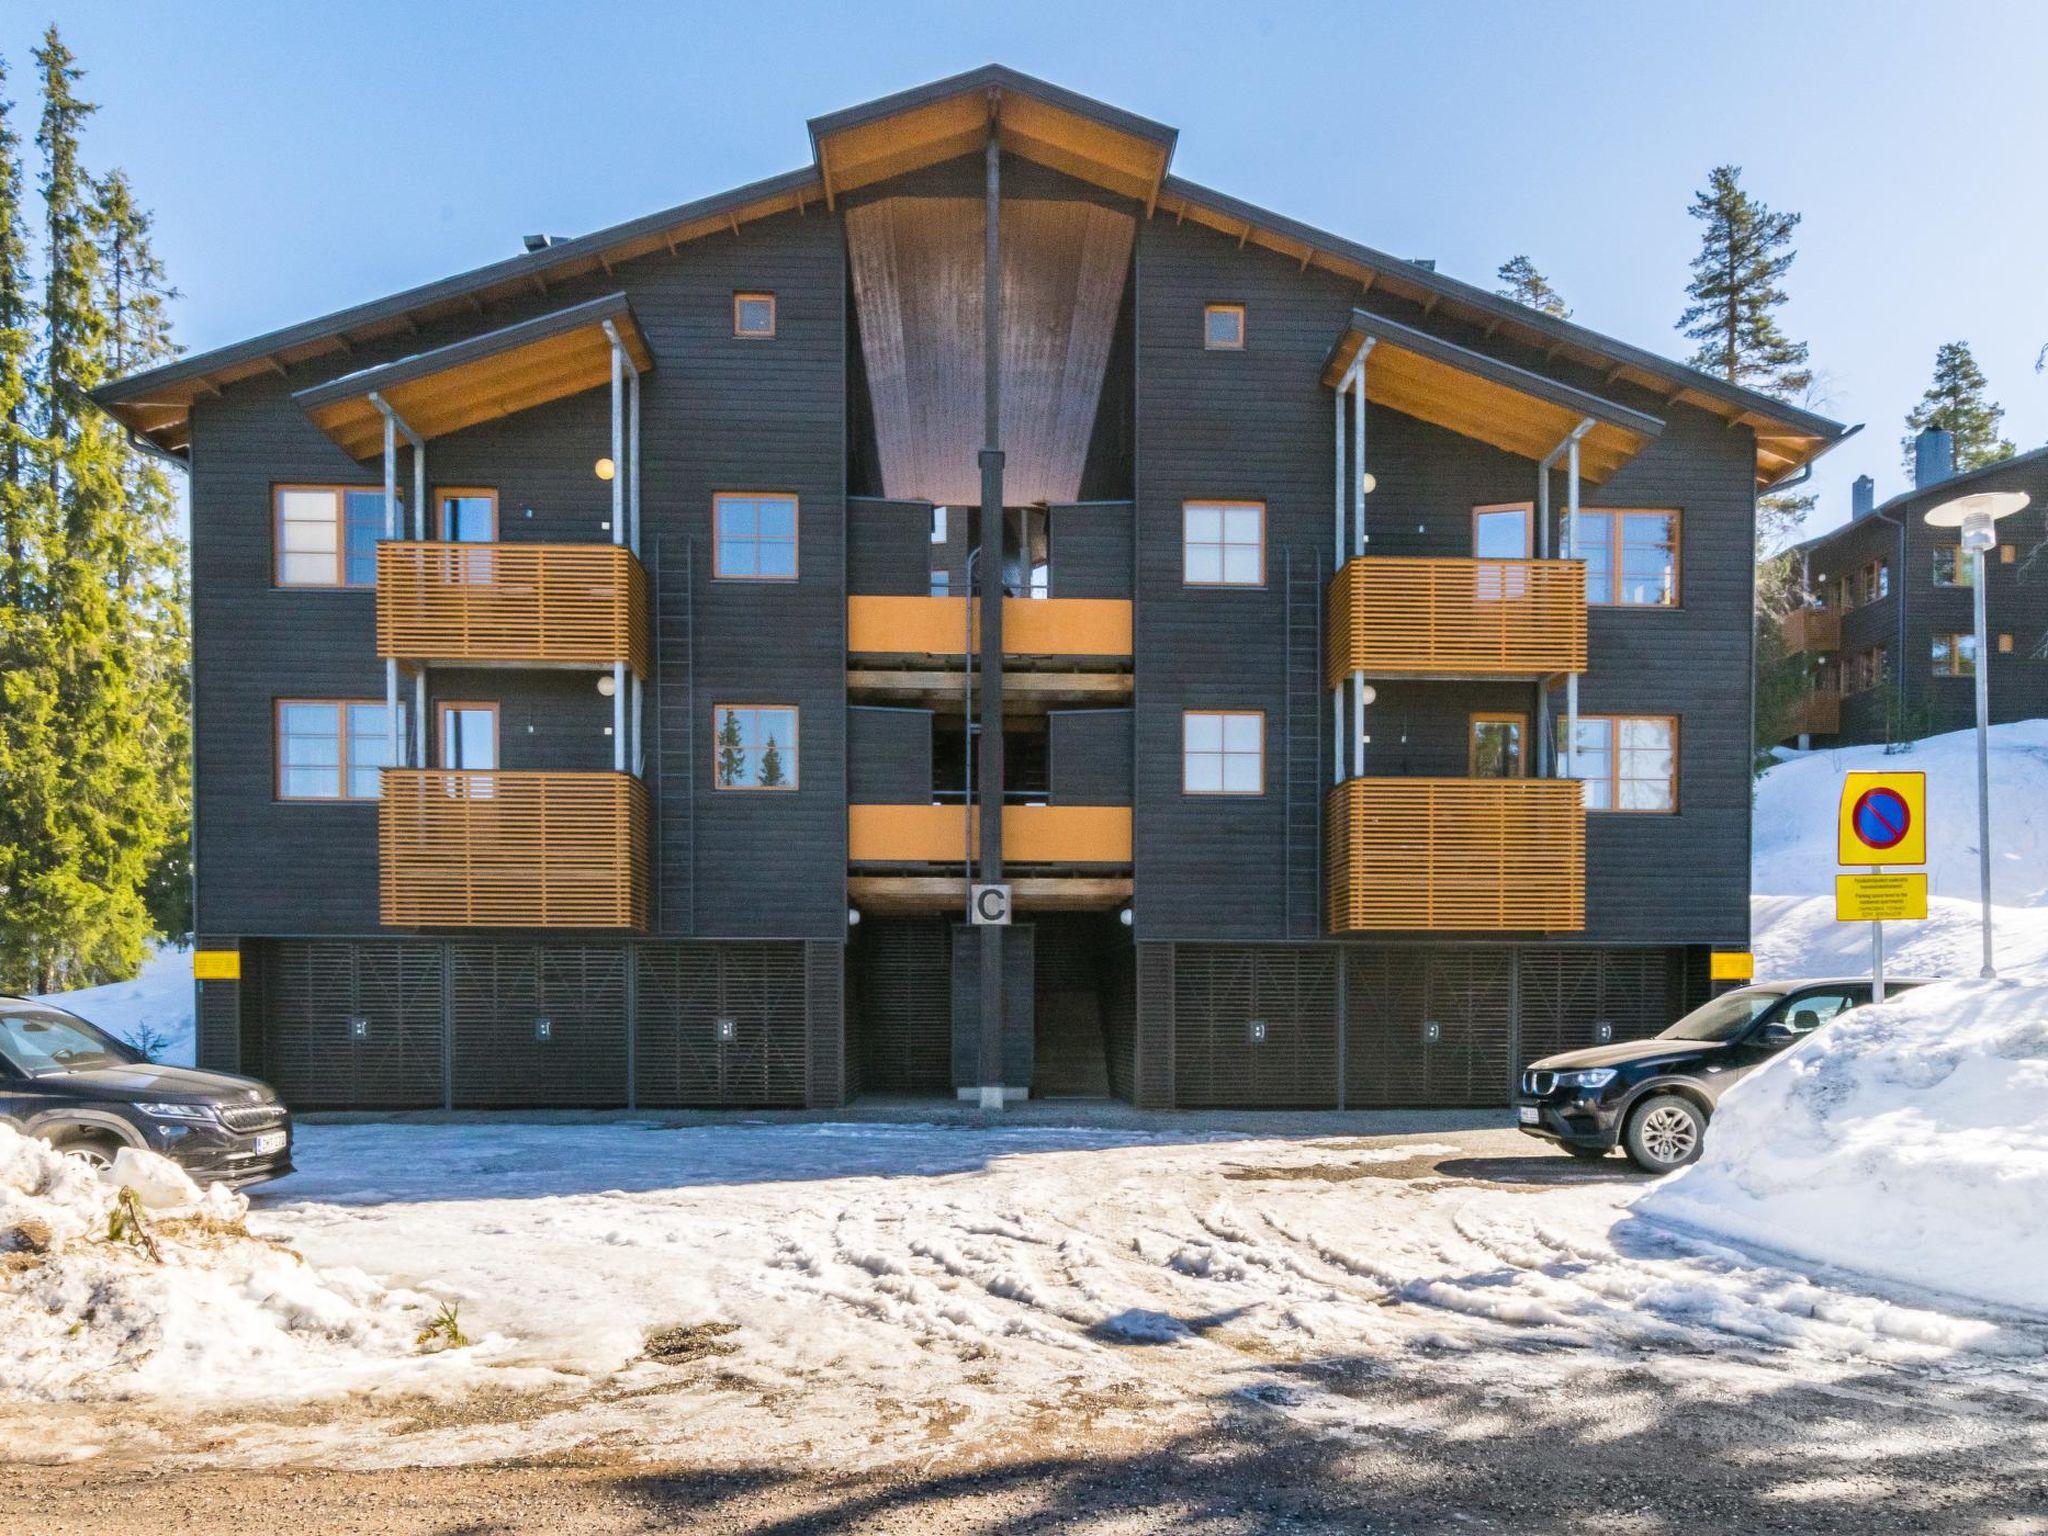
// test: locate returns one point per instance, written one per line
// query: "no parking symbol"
(1883, 819)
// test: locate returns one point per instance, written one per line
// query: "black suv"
(82, 1090)
(1654, 1096)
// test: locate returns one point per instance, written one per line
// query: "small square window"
(753, 536)
(753, 315)
(1223, 328)
(1223, 543)
(753, 746)
(1223, 752)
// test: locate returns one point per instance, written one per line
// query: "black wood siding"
(889, 755)
(1089, 756)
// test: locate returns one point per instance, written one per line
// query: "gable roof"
(1069, 132)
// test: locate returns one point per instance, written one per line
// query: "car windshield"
(42, 1040)
(1726, 1016)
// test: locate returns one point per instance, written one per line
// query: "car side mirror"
(1777, 1032)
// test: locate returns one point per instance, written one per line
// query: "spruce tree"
(1958, 402)
(1525, 285)
(1745, 252)
(771, 765)
(19, 547)
(732, 755)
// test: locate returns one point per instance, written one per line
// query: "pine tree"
(771, 765)
(19, 577)
(1735, 293)
(1957, 402)
(1525, 285)
(732, 755)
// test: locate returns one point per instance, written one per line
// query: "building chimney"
(1862, 497)
(1934, 457)
(537, 242)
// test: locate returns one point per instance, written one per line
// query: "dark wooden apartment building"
(613, 665)
(1886, 627)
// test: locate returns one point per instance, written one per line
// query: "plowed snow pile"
(85, 1313)
(1908, 1141)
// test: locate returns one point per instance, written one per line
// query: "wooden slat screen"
(513, 850)
(1470, 617)
(584, 604)
(1447, 855)
(1813, 629)
(1819, 713)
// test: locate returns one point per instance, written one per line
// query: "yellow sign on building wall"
(217, 964)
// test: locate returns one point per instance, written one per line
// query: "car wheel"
(1664, 1133)
(1588, 1154)
(96, 1150)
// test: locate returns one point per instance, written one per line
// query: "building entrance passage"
(899, 1017)
(1082, 975)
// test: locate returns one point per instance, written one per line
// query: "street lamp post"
(1976, 517)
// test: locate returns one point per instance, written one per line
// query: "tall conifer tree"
(19, 575)
(1958, 401)
(1521, 282)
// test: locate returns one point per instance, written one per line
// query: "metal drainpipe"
(390, 532)
(1571, 681)
(967, 724)
(619, 471)
(994, 1001)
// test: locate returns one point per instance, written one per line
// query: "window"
(469, 736)
(326, 535)
(1631, 558)
(1863, 670)
(1223, 327)
(1808, 1012)
(2005, 645)
(1951, 567)
(1503, 532)
(753, 536)
(1881, 578)
(1223, 752)
(1223, 543)
(754, 746)
(1955, 655)
(1628, 762)
(2007, 554)
(332, 749)
(1499, 746)
(753, 316)
(466, 515)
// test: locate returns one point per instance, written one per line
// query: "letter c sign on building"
(988, 906)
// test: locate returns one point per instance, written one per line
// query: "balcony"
(1072, 627)
(1818, 713)
(1456, 855)
(513, 850)
(949, 834)
(523, 604)
(1399, 617)
(1813, 629)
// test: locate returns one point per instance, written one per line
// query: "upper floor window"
(1628, 762)
(1955, 655)
(1951, 567)
(326, 535)
(753, 315)
(466, 515)
(1503, 532)
(469, 736)
(1631, 557)
(753, 746)
(1223, 543)
(1223, 752)
(1881, 578)
(333, 749)
(1498, 746)
(1223, 327)
(753, 536)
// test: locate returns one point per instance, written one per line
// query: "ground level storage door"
(348, 1025)
(1569, 993)
(1254, 1027)
(719, 1024)
(900, 1039)
(1426, 1026)
(538, 1025)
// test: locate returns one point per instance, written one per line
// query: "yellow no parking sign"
(1883, 819)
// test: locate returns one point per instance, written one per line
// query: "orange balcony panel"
(937, 626)
(1813, 629)
(537, 604)
(1394, 617)
(513, 850)
(1456, 855)
(949, 834)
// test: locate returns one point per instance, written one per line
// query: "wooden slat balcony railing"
(937, 626)
(1392, 617)
(1456, 855)
(580, 604)
(1813, 629)
(513, 850)
(1818, 713)
(948, 834)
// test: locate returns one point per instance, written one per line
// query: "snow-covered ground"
(152, 1012)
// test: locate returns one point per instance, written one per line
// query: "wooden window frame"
(1223, 794)
(1224, 503)
(1955, 650)
(1614, 807)
(754, 296)
(1480, 717)
(341, 708)
(796, 528)
(444, 493)
(1618, 516)
(339, 490)
(1528, 511)
(1962, 568)
(1225, 308)
(796, 731)
(442, 707)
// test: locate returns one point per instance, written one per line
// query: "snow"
(155, 1008)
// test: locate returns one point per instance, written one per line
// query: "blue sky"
(303, 157)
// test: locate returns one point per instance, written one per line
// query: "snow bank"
(219, 1315)
(153, 1012)
(1908, 1142)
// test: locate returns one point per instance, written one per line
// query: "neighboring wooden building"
(1886, 622)
(524, 778)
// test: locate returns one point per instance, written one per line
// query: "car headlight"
(1595, 1077)
(199, 1113)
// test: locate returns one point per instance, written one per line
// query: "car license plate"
(270, 1141)
(1527, 1114)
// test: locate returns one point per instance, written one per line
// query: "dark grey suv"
(77, 1087)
